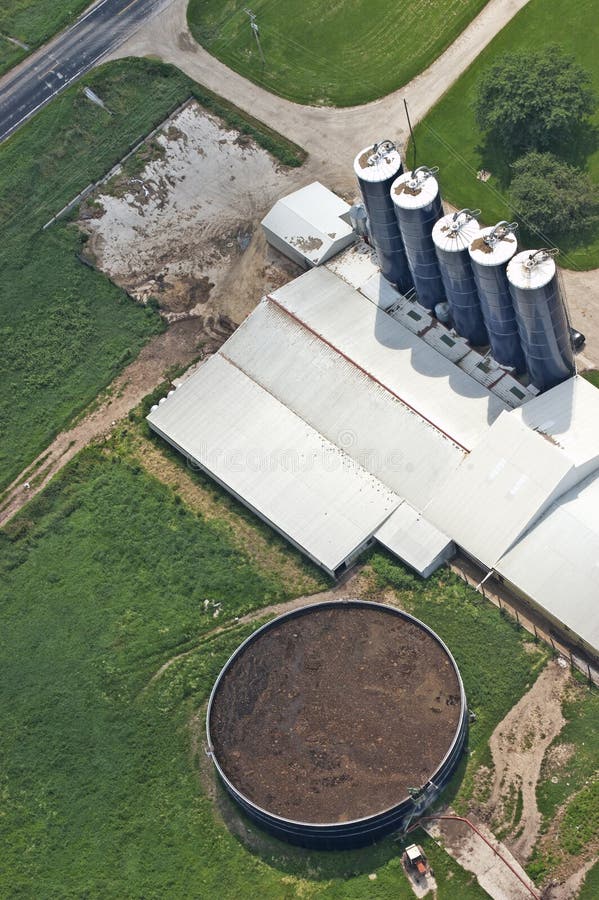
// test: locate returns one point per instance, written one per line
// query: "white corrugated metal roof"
(343, 404)
(569, 414)
(499, 489)
(380, 291)
(388, 352)
(407, 534)
(280, 466)
(309, 221)
(356, 265)
(556, 563)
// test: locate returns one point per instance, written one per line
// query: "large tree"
(532, 100)
(552, 196)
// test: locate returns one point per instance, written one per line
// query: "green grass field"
(590, 888)
(67, 330)
(103, 579)
(592, 376)
(337, 54)
(33, 22)
(448, 136)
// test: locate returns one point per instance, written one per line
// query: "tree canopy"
(552, 195)
(532, 100)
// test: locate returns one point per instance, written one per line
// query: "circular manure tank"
(337, 723)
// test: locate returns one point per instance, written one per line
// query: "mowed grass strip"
(449, 136)
(65, 330)
(335, 54)
(103, 578)
(33, 22)
(498, 662)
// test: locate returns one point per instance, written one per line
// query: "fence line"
(574, 657)
(113, 171)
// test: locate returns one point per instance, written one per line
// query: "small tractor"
(414, 861)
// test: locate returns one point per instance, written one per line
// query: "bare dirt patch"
(184, 229)
(518, 746)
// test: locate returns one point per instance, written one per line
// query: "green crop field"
(32, 22)
(104, 578)
(66, 330)
(449, 137)
(336, 54)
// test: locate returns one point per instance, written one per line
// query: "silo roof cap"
(531, 269)
(486, 254)
(455, 231)
(378, 162)
(414, 190)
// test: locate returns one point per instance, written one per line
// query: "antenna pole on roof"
(405, 103)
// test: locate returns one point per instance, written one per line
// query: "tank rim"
(303, 610)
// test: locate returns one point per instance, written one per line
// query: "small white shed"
(309, 226)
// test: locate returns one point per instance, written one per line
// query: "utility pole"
(255, 31)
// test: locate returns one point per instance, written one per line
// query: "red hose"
(487, 842)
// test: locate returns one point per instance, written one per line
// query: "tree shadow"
(495, 160)
(581, 142)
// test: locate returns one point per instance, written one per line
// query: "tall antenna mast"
(255, 31)
(405, 103)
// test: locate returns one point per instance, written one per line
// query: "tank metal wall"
(544, 333)
(416, 226)
(499, 315)
(384, 231)
(462, 295)
(359, 832)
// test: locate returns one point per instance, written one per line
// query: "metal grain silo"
(490, 251)
(452, 236)
(541, 317)
(417, 207)
(376, 167)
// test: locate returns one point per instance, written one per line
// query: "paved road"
(50, 69)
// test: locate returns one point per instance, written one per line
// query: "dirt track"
(518, 746)
(332, 136)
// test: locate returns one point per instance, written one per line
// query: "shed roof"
(500, 489)
(308, 488)
(343, 403)
(309, 221)
(556, 563)
(569, 415)
(409, 535)
(382, 347)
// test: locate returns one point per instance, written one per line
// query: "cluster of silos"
(541, 317)
(376, 168)
(467, 275)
